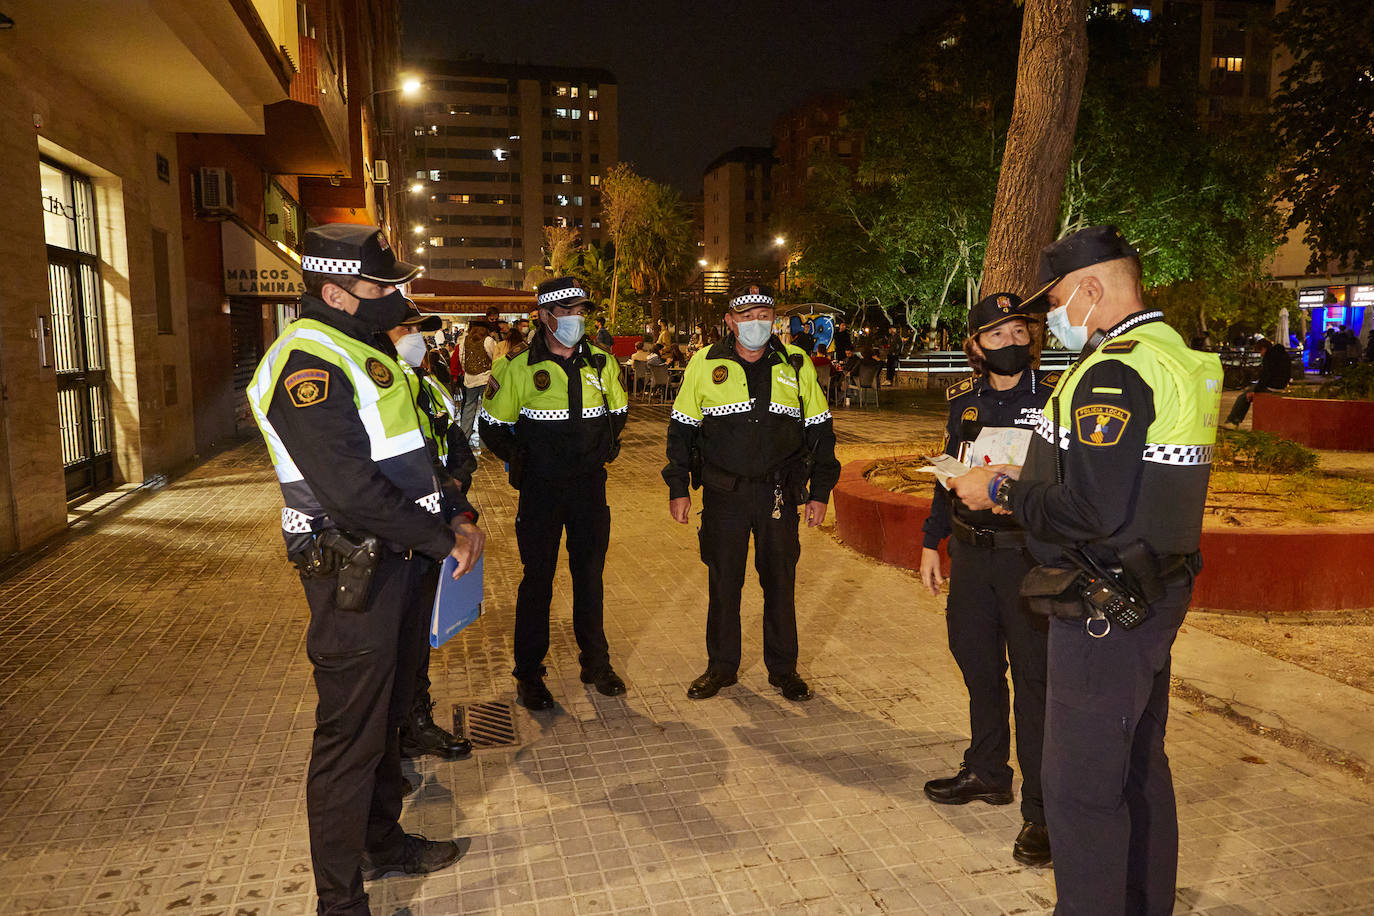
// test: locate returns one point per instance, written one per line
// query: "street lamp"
(779, 241)
(702, 262)
(416, 188)
(419, 230)
(411, 86)
(420, 250)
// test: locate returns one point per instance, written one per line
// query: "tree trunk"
(1049, 85)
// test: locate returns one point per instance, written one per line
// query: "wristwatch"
(1004, 491)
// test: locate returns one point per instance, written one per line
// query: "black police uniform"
(1119, 465)
(364, 661)
(557, 430)
(753, 458)
(988, 622)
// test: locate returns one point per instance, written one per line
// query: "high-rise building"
(737, 204)
(498, 151)
(818, 126)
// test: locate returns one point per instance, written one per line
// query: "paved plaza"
(156, 709)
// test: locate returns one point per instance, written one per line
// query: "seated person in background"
(1274, 373)
(820, 358)
(656, 356)
(641, 353)
(675, 357)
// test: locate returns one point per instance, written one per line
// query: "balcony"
(307, 133)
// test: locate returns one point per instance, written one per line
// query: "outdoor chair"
(864, 380)
(660, 381)
(823, 379)
(640, 370)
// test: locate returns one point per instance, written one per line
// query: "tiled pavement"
(155, 714)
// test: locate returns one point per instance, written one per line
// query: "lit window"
(561, 222)
(1142, 13)
(593, 115)
(594, 180)
(561, 200)
(1229, 64)
(577, 200)
(460, 198)
(576, 114)
(596, 223)
(434, 175)
(560, 90)
(436, 241)
(419, 130)
(565, 179)
(591, 92)
(560, 112)
(500, 154)
(421, 174)
(573, 92)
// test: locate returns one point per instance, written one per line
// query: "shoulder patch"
(1050, 379)
(1100, 424)
(378, 372)
(1119, 346)
(541, 379)
(307, 387)
(719, 375)
(958, 388)
(493, 386)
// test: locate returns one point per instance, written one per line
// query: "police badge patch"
(493, 386)
(1100, 424)
(378, 372)
(307, 387)
(970, 413)
(541, 379)
(719, 375)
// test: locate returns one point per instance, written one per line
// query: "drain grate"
(485, 724)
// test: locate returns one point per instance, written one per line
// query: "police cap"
(994, 310)
(352, 250)
(1083, 248)
(419, 321)
(751, 296)
(565, 291)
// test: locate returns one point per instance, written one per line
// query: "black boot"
(420, 736)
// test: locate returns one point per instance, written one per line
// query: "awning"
(254, 265)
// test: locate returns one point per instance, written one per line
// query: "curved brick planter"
(1317, 423)
(1257, 570)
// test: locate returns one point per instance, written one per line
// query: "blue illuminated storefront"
(1333, 308)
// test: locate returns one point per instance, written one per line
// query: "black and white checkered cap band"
(341, 266)
(558, 295)
(751, 299)
(1178, 454)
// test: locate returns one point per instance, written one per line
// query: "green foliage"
(1261, 452)
(1325, 121)
(1355, 383)
(1222, 308)
(652, 231)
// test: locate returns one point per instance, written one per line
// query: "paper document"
(456, 603)
(1000, 445)
(944, 467)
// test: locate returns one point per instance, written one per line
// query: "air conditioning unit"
(381, 172)
(214, 192)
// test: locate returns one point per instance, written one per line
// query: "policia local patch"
(309, 386)
(379, 373)
(1100, 424)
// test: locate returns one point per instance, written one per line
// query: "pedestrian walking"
(988, 622)
(367, 514)
(1111, 497)
(474, 360)
(752, 427)
(555, 415)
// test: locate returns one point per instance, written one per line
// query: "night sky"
(695, 78)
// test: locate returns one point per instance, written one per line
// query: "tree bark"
(1049, 85)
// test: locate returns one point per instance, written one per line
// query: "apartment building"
(737, 210)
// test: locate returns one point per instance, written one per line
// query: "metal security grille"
(486, 724)
(78, 320)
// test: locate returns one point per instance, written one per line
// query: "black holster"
(355, 560)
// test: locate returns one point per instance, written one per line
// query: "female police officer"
(988, 623)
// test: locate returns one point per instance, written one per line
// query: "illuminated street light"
(779, 241)
(416, 188)
(702, 262)
(411, 86)
(419, 229)
(420, 250)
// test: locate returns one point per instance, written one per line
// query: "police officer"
(1115, 480)
(555, 415)
(420, 734)
(367, 514)
(987, 620)
(751, 425)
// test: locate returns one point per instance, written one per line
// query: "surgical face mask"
(1008, 360)
(753, 335)
(384, 312)
(411, 349)
(570, 329)
(1072, 336)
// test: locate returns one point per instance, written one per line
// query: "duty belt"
(993, 538)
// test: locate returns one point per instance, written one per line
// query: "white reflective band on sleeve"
(543, 414)
(625, 409)
(1178, 454)
(683, 418)
(429, 503)
(295, 521)
(1044, 428)
(818, 418)
(785, 410)
(723, 409)
(483, 415)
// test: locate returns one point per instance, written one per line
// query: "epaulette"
(1050, 379)
(958, 388)
(1119, 346)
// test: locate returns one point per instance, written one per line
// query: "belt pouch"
(1052, 591)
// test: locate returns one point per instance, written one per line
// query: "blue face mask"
(570, 329)
(1072, 336)
(753, 335)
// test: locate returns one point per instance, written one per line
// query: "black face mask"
(1007, 360)
(384, 312)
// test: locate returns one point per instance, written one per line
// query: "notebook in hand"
(457, 603)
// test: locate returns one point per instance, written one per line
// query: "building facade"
(498, 151)
(737, 210)
(819, 126)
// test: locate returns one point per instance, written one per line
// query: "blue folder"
(456, 603)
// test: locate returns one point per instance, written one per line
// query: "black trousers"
(365, 664)
(546, 510)
(989, 625)
(727, 519)
(1109, 795)
(429, 584)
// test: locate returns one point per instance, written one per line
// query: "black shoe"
(709, 684)
(421, 736)
(964, 787)
(532, 694)
(408, 787)
(418, 856)
(606, 681)
(1032, 845)
(792, 686)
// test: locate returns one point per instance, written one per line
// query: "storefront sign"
(1361, 296)
(253, 266)
(1313, 297)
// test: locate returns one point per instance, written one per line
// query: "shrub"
(1262, 452)
(1356, 383)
